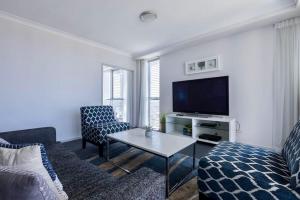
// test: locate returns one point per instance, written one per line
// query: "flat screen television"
(204, 96)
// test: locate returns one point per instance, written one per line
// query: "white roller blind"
(154, 78)
(117, 88)
(154, 110)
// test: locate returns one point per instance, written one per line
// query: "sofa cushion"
(23, 185)
(29, 158)
(44, 135)
(78, 177)
(244, 171)
(291, 153)
(83, 180)
(257, 163)
(45, 160)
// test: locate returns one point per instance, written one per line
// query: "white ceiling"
(115, 22)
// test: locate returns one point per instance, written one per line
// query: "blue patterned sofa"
(237, 171)
(97, 122)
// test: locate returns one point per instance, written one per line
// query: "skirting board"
(71, 139)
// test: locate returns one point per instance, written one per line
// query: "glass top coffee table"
(160, 144)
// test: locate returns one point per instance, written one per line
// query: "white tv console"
(224, 126)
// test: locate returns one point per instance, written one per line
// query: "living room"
(131, 100)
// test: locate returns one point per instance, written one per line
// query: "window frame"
(115, 68)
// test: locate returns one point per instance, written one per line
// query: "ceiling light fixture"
(148, 16)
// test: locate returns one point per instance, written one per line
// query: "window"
(117, 100)
(154, 110)
(117, 91)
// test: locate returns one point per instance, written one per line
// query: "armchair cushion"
(97, 132)
(112, 127)
(98, 121)
(97, 114)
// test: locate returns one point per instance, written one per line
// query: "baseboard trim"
(71, 139)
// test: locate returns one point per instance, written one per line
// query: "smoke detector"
(148, 16)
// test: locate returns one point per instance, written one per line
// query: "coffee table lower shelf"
(169, 190)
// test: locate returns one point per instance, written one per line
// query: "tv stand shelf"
(223, 126)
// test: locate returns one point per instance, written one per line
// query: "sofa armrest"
(45, 135)
(142, 184)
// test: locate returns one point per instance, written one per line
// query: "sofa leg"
(101, 150)
(83, 143)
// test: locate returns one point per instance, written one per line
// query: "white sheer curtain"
(142, 104)
(286, 79)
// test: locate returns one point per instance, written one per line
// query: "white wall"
(45, 78)
(247, 58)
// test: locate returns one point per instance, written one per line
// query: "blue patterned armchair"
(237, 171)
(96, 123)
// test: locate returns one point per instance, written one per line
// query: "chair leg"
(83, 143)
(202, 196)
(101, 150)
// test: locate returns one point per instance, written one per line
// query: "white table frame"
(169, 190)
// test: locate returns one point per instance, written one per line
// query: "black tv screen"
(203, 96)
